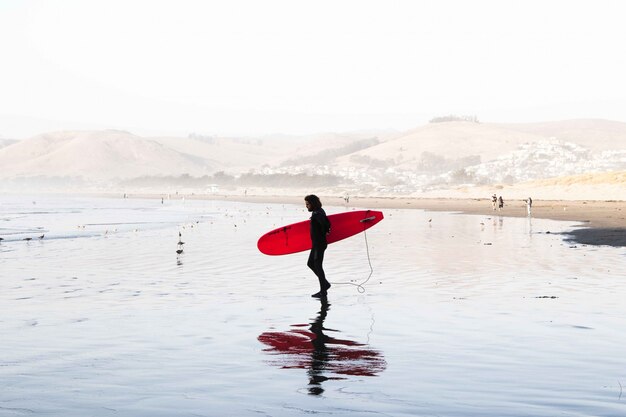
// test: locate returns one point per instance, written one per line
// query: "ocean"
(460, 315)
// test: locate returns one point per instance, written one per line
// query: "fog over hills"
(6, 142)
(433, 156)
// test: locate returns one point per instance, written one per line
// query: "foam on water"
(463, 316)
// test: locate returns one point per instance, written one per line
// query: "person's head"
(312, 202)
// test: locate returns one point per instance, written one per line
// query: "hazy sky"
(254, 67)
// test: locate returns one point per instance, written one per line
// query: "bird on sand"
(180, 244)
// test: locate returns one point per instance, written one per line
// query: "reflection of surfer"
(320, 227)
(324, 357)
(320, 355)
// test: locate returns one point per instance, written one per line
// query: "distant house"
(212, 188)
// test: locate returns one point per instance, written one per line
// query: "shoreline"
(595, 222)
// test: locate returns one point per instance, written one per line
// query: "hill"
(436, 156)
(242, 154)
(96, 156)
(594, 134)
(470, 143)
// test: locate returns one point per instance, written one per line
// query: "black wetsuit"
(320, 226)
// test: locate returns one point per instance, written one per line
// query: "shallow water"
(462, 316)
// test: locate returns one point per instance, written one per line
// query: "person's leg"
(321, 275)
(316, 260)
(310, 263)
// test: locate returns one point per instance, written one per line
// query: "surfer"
(320, 227)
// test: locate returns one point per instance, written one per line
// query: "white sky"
(256, 67)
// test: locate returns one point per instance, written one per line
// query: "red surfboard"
(297, 238)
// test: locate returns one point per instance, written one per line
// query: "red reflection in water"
(321, 354)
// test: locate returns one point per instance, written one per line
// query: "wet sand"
(601, 222)
(462, 316)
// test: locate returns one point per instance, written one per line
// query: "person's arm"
(322, 221)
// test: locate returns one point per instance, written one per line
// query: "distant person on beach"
(494, 201)
(529, 205)
(320, 227)
(500, 203)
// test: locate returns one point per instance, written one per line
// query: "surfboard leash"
(360, 287)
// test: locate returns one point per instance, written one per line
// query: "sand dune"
(592, 186)
(613, 178)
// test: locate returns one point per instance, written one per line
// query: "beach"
(597, 222)
(459, 314)
(157, 257)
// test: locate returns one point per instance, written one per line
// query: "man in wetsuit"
(320, 227)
